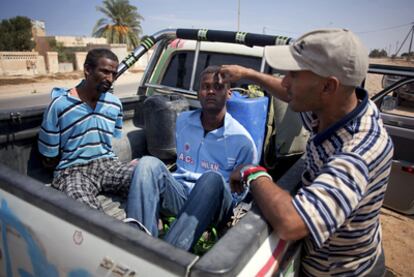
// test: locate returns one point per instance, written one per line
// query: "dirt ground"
(398, 234)
(398, 229)
(22, 80)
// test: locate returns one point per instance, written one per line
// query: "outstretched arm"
(276, 206)
(273, 85)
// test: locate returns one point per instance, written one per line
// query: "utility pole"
(410, 32)
(411, 42)
(396, 46)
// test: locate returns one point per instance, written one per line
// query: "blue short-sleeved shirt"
(78, 133)
(220, 150)
(344, 182)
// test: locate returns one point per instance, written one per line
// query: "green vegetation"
(376, 53)
(16, 34)
(65, 54)
(122, 23)
(408, 55)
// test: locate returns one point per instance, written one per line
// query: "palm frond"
(122, 23)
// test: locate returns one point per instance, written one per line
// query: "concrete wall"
(41, 65)
(21, 63)
(31, 63)
(52, 63)
(65, 67)
(80, 60)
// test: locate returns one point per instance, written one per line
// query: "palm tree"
(121, 25)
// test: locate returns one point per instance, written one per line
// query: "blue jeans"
(154, 190)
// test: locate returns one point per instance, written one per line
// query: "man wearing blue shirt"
(77, 130)
(210, 144)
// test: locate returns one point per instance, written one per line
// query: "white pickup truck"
(45, 233)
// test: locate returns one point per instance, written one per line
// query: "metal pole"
(396, 47)
(411, 43)
(402, 43)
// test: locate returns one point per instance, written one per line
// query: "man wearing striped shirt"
(349, 155)
(77, 131)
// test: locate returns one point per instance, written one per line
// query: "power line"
(385, 29)
(357, 32)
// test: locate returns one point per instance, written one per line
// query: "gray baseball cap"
(330, 52)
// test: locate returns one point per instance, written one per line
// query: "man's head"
(323, 67)
(100, 68)
(332, 52)
(214, 92)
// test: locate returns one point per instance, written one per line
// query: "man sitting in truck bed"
(210, 144)
(77, 131)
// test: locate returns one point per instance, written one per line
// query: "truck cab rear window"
(178, 74)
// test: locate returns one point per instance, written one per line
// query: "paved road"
(14, 97)
(37, 99)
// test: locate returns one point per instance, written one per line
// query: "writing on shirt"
(209, 165)
(185, 158)
(204, 164)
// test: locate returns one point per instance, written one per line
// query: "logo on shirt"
(210, 166)
(186, 158)
(186, 147)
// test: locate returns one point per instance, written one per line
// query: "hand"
(50, 162)
(233, 73)
(134, 162)
(236, 184)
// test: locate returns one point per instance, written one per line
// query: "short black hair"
(213, 69)
(95, 54)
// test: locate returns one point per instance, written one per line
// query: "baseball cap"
(330, 52)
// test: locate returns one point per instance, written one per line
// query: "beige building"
(45, 60)
(38, 28)
(42, 42)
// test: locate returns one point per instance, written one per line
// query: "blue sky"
(381, 24)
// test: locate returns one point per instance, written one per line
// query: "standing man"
(210, 144)
(349, 155)
(77, 131)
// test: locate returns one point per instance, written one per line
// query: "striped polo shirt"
(78, 133)
(344, 182)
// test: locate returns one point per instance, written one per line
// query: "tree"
(64, 55)
(16, 34)
(376, 53)
(122, 25)
(406, 54)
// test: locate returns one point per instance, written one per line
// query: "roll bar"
(249, 39)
